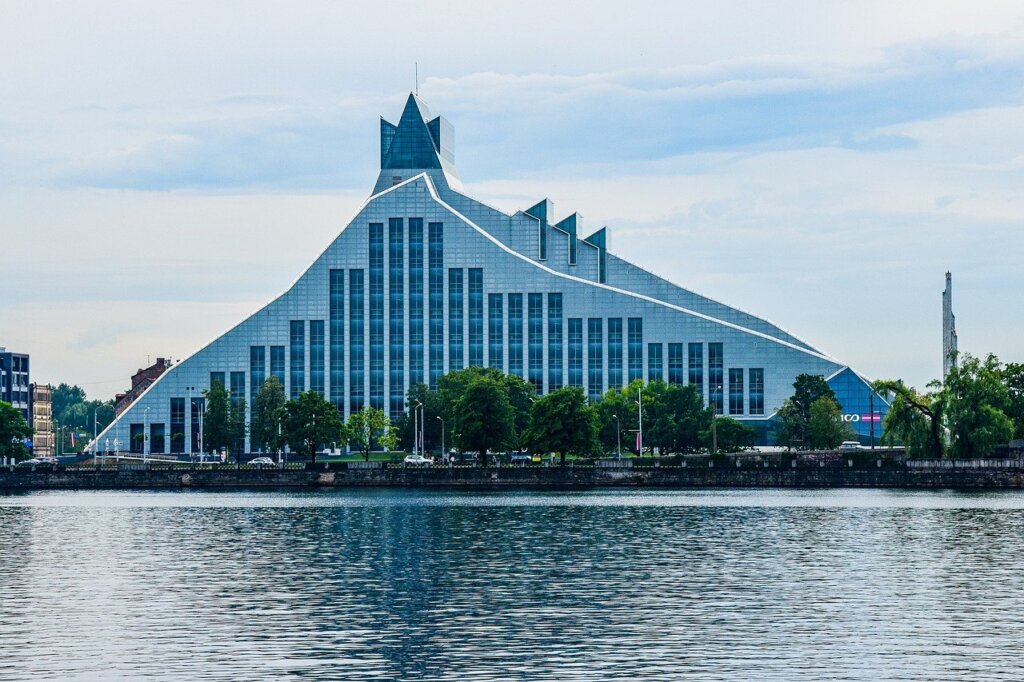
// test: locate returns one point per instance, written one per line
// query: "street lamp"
(189, 389)
(640, 421)
(714, 413)
(416, 424)
(444, 454)
(145, 436)
(618, 437)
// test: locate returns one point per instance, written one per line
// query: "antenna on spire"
(417, 78)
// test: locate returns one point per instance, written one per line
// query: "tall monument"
(948, 328)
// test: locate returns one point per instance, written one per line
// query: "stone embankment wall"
(1005, 475)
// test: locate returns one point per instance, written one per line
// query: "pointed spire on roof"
(418, 141)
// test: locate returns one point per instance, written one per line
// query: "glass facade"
(177, 412)
(655, 362)
(257, 370)
(277, 364)
(735, 391)
(515, 334)
(535, 331)
(696, 366)
(336, 313)
(595, 359)
(476, 317)
(575, 351)
(396, 317)
(675, 363)
(436, 267)
(356, 340)
(156, 439)
(455, 319)
(217, 378)
(716, 367)
(317, 356)
(635, 342)
(416, 301)
(495, 332)
(615, 352)
(297, 357)
(237, 388)
(756, 390)
(555, 352)
(377, 315)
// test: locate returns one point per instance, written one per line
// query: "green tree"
(236, 428)
(405, 425)
(216, 418)
(13, 432)
(825, 428)
(975, 398)
(732, 435)
(1013, 379)
(483, 417)
(266, 416)
(369, 427)
(675, 417)
(63, 397)
(914, 419)
(795, 413)
(310, 421)
(563, 422)
(616, 416)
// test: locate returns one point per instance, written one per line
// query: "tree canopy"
(564, 422)
(266, 428)
(309, 422)
(13, 431)
(369, 427)
(483, 417)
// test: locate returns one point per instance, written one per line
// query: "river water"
(391, 584)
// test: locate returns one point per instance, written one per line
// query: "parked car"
(849, 445)
(417, 460)
(38, 461)
(262, 462)
(521, 458)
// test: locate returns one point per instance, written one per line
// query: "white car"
(262, 461)
(417, 459)
(849, 445)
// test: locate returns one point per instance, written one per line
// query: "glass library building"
(425, 280)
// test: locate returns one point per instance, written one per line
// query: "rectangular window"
(655, 366)
(615, 352)
(136, 438)
(415, 301)
(336, 313)
(636, 348)
(436, 275)
(156, 439)
(476, 317)
(515, 334)
(177, 425)
(696, 367)
(455, 319)
(356, 340)
(575, 351)
(595, 359)
(756, 390)
(495, 332)
(317, 353)
(555, 351)
(237, 387)
(257, 370)
(535, 341)
(217, 378)
(297, 356)
(377, 315)
(396, 317)
(675, 363)
(716, 366)
(735, 391)
(277, 364)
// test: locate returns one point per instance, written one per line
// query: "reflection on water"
(386, 584)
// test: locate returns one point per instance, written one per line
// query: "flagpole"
(640, 421)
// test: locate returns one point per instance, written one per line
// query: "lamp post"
(95, 445)
(145, 437)
(417, 446)
(189, 389)
(618, 437)
(444, 454)
(714, 413)
(640, 421)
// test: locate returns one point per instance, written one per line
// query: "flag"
(638, 441)
(72, 439)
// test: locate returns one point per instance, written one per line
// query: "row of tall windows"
(576, 351)
(535, 341)
(716, 366)
(515, 334)
(396, 314)
(735, 391)
(655, 365)
(435, 238)
(595, 357)
(476, 317)
(454, 319)
(237, 388)
(495, 332)
(635, 345)
(317, 356)
(336, 316)
(554, 341)
(297, 354)
(415, 301)
(277, 363)
(615, 353)
(356, 339)
(675, 363)
(696, 366)
(377, 315)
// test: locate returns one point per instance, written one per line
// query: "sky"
(168, 168)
